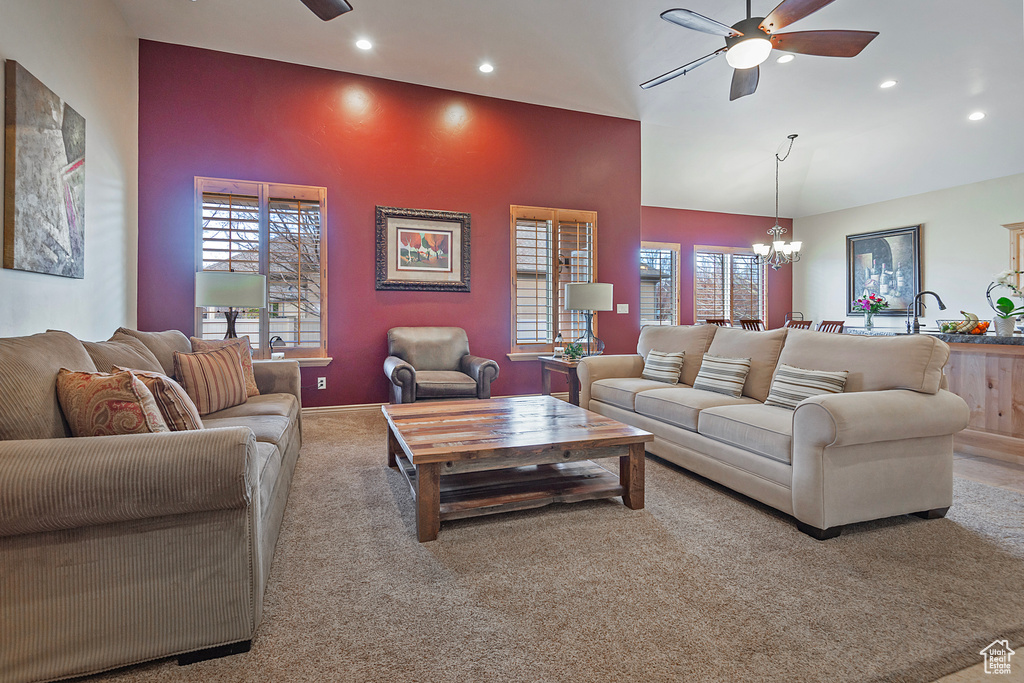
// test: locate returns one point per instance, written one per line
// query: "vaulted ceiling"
(857, 144)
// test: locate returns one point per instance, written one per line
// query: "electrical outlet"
(622, 308)
(321, 382)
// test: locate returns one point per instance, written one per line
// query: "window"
(550, 248)
(659, 283)
(274, 230)
(727, 283)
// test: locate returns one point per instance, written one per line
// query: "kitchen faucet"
(913, 307)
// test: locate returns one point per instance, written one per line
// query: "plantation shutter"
(659, 287)
(575, 264)
(728, 283)
(709, 288)
(534, 280)
(746, 287)
(293, 278)
(230, 243)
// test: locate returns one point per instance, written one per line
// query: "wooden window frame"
(265, 193)
(665, 246)
(555, 216)
(745, 251)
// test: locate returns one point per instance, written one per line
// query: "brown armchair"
(435, 362)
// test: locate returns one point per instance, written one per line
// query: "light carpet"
(702, 585)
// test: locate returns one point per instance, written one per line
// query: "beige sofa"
(120, 549)
(883, 447)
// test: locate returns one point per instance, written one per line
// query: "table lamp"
(234, 290)
(589, 297)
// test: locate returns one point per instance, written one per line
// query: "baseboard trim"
(331, 410)
(989, 445)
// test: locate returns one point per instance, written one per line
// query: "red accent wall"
(689, 228)
(374, 142)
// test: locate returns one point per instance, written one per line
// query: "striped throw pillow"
(722, 375)
(663, 366)
(212, 379)
(792, 385)
(178, 410)
(244, 350)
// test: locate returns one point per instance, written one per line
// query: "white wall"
(85, 53)
(963, 245)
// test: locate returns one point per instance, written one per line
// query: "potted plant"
(1006, 311)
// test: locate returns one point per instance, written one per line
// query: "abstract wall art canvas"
(44, 179)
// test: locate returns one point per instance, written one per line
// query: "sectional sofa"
(882, 447)
(120, 549)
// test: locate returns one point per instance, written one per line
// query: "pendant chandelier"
(779, 252)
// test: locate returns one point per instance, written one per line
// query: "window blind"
(293, 279)
(727, 284)
(659, 289)
(534, 282)
(231, 243)
(575, 264)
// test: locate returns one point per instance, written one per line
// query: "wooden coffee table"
(480, 457)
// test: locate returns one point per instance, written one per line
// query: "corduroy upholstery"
(435, 362)
(121, 549)
(880, 447)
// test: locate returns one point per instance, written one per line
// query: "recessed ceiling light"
(363, 44)
(784, 59)
(888, 84)
(486, 68)
(977, 116)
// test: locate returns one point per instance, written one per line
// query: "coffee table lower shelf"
(473, 494)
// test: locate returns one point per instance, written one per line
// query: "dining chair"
(835, 326)
(721, 322)
(799, 324)
(754, 324)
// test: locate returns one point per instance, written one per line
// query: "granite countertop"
(1016, 340)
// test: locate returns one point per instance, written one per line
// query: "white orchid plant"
(1004, 306)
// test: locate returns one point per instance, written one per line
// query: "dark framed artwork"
(887, 263)
(424, 250)
(44, 179)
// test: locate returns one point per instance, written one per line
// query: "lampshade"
(748, 53)
(240, 290)
(588, 296)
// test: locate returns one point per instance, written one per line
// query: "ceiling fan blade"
(789, 11)
(744, 82)
(681, 71)
(328, 9)
(698, 22)
(824, 43)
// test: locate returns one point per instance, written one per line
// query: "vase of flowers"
(1005, 308)
(870, 304)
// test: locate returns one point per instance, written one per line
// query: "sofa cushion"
(244, 352)
(126, 352)
(105, 404)
(212, 379)
(692, 340)
(680, 406)
(722, 375)
(29, 408)
(762, 348)
(267, 428)
(447, 383)
(622, 391)
(285, 405)
(792, 385)
(761, 429)
(663, 366)
(177, 409)
(161, 344)
(912, 361)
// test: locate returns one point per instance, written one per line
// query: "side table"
(549, 364)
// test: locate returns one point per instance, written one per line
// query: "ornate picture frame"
(887, 263)
(422, 250)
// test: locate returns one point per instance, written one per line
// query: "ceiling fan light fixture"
(746, 54)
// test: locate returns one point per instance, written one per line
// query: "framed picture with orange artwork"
(422, 249)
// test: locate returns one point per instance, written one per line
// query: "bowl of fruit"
(969, 325)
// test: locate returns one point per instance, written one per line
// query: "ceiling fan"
(750, 41)
(328, 9)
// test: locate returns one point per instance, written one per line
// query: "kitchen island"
(988, 372)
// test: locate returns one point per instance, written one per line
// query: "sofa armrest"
(51, 484)
(278, 377)
(482, 370)
(402, 376)
(876, 416)
(593, 368)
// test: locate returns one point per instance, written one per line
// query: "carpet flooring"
(701, 585)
